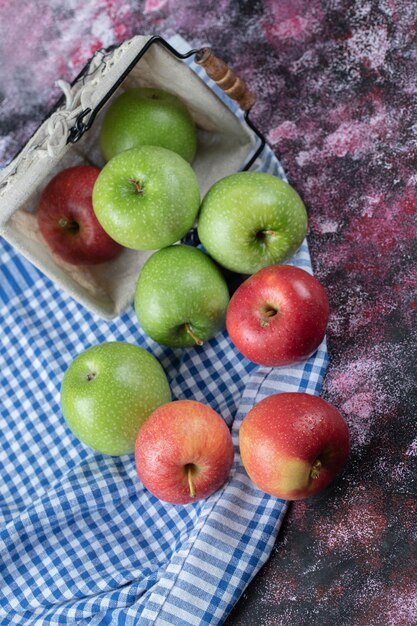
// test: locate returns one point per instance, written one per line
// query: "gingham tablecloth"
(82, 541)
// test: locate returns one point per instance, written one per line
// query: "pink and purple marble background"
(336, 88)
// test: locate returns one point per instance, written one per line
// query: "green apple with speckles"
(108, 391)
(146, 198)
(250, 220)
(146, 116)
(181, 297)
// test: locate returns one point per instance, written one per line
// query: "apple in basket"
(108, 391)
(183, 452)
(250, 220)
(293, 444)
(181, 297)
(146, 198)
(148, 116)
(67, 221)
(278, 316)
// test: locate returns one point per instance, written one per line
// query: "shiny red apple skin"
(293, 445)
(278, 316)
(67, 221)
(179, 434)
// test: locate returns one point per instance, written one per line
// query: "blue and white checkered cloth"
(81, 540)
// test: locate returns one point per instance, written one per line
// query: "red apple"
(278, 316)
(293, 444)
(184, 452)
(67, 221)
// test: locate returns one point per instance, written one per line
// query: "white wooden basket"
(226, 142)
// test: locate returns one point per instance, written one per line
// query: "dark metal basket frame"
(80, 127)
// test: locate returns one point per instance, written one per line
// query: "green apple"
(146, 198)
(181, 297)
(250, 220)
(147, 116)
(108, 391)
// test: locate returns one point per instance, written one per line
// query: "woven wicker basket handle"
(225, 78)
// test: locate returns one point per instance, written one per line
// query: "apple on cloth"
(250, 220)
(293, 445)
(184, 452)
(278, 316)
(107, 393)
(181, 297)
(83, 540)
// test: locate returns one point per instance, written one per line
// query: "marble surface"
(336, 98)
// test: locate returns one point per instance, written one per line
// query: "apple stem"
(198, 341)
(266, 315)
(315, 470)
(190, 481)
(70, 225)
(268, 232)
(136, 185)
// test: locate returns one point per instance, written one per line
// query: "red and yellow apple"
(278, 316)
(293, 445)
(183, 452)
(67, 221)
